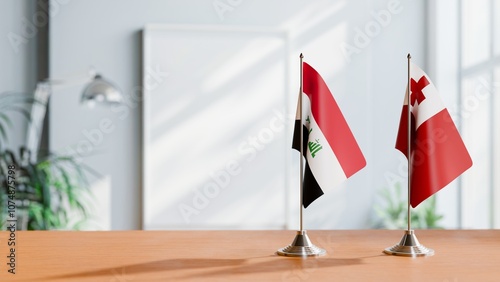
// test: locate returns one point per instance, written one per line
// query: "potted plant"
(49, 193)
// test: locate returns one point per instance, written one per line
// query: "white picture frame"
(216, 139)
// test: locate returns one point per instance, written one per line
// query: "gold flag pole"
(409, 245)
(301, 245)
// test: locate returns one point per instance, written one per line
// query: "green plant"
(52, 192)
(393, 213)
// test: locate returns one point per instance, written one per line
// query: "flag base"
(301, 247)
(409, 247)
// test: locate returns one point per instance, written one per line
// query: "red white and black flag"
(331, 152)
(438, 154)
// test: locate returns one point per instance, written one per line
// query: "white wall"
(17, 57)
(369, 86)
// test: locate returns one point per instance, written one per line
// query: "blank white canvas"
(215, 128)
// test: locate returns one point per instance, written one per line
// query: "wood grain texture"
(461, 255)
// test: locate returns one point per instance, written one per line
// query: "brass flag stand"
(409, 245)
(301, 245)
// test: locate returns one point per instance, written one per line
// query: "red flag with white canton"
(438, 154)
(331, 152)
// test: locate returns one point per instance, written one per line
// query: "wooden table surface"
(461, 255)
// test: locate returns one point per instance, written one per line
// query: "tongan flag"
(438, 154)
(331, 152)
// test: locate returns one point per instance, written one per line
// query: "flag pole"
(301, 169)
(409, 141)
(301, 245)
(409, 246)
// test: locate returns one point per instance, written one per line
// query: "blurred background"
(201, 138)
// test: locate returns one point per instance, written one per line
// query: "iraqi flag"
(331, 152)
(438, 154)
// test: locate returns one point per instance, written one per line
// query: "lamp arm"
(71, 81)
(38, 110)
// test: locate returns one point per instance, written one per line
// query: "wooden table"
(461, 255)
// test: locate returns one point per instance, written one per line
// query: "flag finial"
(409, 56)
(301, 56)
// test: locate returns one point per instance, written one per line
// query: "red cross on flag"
(438, 154)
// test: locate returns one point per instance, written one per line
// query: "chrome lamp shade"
(101, 90)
